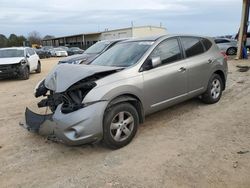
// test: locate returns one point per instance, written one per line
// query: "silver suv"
(109, 98)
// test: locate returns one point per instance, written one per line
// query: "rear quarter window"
(192, 46)
(206, 43)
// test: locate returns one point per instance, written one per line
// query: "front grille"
(8, 70)
(5, 68)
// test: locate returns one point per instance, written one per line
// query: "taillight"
(224, 55)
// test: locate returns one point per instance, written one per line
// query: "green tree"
(20, 40)
(3, 41)
(12, 40)
(15, 40)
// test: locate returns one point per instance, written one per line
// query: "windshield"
(123, 54)
(11, 53)
(59, 49)
(64, 47)
(97, 47)
(75, 48)
(47, 48)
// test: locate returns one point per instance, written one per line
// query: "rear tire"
(214, 90)
(38, 70)
(120, 125)
(25, 73)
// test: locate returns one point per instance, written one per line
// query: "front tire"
(214, 90)
(120, 125)
(25, 73)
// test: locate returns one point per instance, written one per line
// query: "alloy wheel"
(122, 126)
(215, 88)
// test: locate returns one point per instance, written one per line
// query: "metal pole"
(242, 28)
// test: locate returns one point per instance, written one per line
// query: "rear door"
(166, 84)
(199, 62)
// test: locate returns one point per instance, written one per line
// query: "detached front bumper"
(75, 128)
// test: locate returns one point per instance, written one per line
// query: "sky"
(66, 17)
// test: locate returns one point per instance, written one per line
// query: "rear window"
(192, 46)
(207, 43)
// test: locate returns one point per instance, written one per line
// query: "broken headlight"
(71, 99)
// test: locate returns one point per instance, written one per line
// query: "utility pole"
(243, 27)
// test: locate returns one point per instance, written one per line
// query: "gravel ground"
(188, 145)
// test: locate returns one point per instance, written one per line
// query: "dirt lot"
(189, 145)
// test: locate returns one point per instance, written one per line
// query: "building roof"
(95, 33)
(76, 35)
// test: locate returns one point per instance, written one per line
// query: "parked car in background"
(74, 51)
(248, 41)
(18, 62)
(47, 48)
(58, 52)
(229, 46)
(64, 48)
(43, 53)
(91, 53)
(107, 99)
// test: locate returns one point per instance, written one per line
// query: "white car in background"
(229, 46)
(58, 52)
(18, 62)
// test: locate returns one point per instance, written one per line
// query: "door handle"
(182, 69)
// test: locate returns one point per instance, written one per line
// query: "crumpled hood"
(65, 75)
(11, 60)
(86, 58)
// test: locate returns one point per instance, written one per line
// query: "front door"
(166, 84)
(32, 59)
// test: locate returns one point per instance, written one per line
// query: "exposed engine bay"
(71, 99)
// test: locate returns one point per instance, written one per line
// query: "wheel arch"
(223, 77)
(28, 66)
(133, 100)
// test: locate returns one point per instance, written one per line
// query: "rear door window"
(192, 46)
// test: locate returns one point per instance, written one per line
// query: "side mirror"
(151, 63)
(156, 61)
(27, 55)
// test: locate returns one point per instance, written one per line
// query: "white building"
(85, 40)
(142, 31)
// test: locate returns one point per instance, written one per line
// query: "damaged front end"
(71, 99)
(71, 120)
